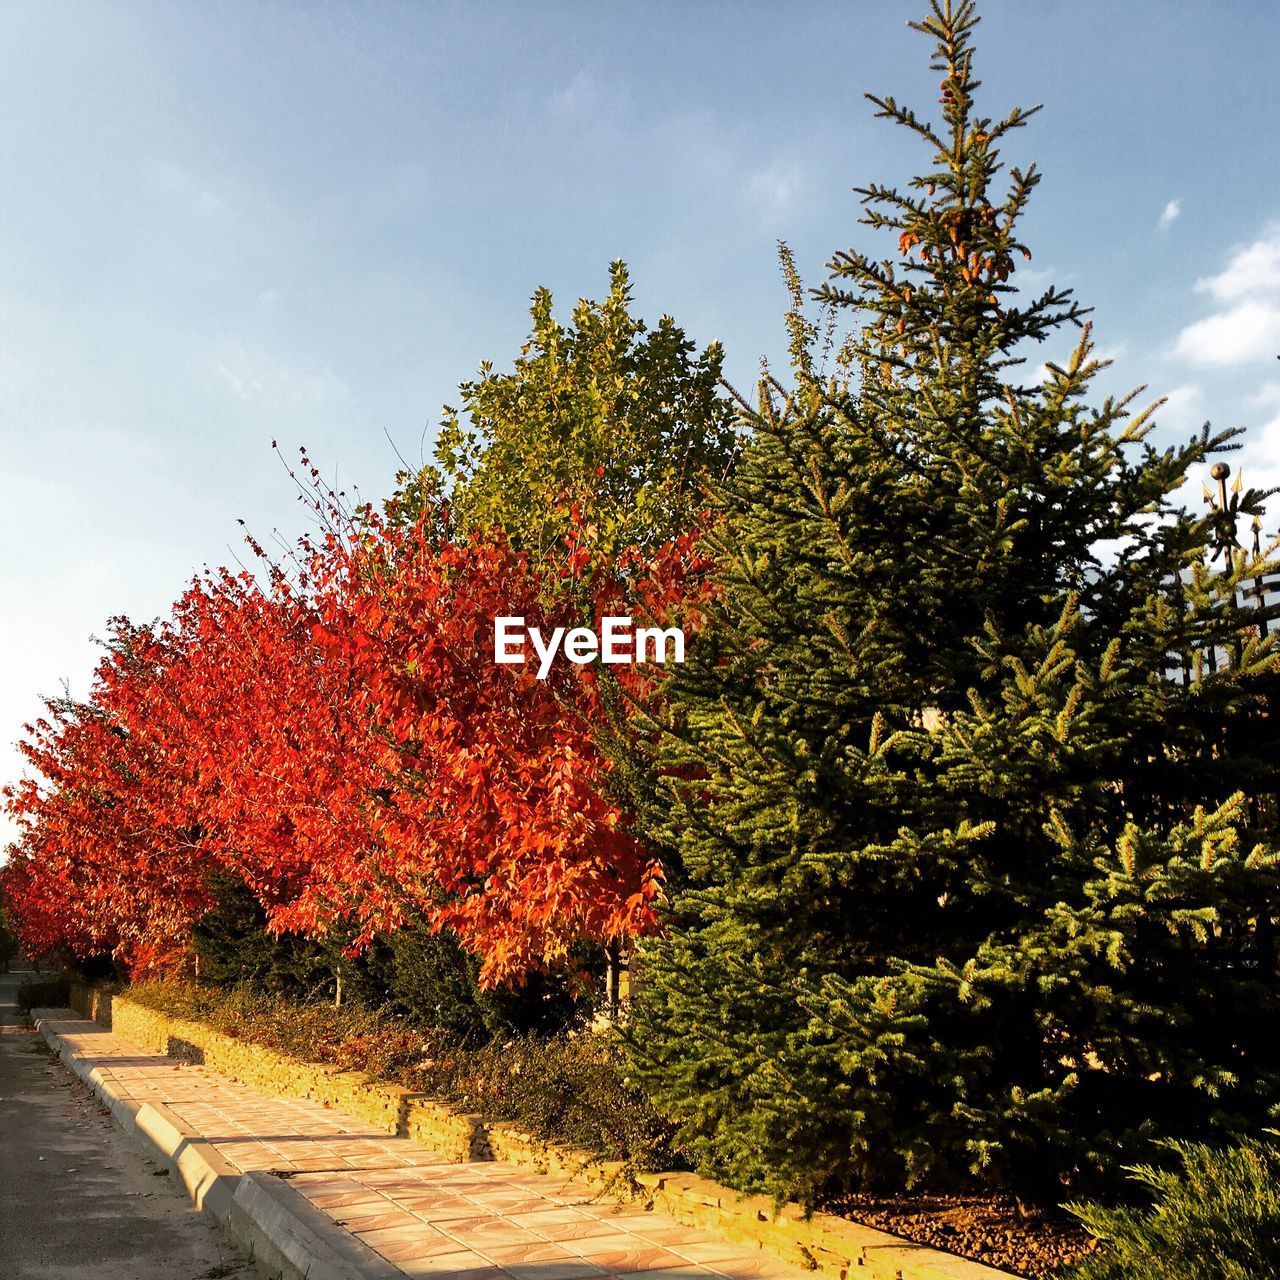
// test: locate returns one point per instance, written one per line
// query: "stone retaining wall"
(611, 1178)
(92, 1002)
(390, 1108)
(819, 1242)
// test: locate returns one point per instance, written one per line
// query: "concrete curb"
(291, 1237)
(210, 1179)
(287, 1237)
(835, 1247)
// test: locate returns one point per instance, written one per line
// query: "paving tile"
(576, 1270)
(434, 1205)
(342, 1199)
(421, 1247)
(608, 1211)
(494, 1231)
(427, 1215)
(574, 1193)
(458, 1266)
(628, 1255)
(385, 1177)
(581, 1230)
(711, 1252)
(328, 1182)
(747, 1268)
(408, 1230)
(550, 1217)
(360, 1222)
(659, 1229)
(690, 1271)
(507, 1255)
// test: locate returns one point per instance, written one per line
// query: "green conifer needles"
(969, 811)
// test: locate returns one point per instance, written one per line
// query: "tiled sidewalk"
(479, 1221)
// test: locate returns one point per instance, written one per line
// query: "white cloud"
(1260, 462)
(1251, 270)
(1250, 330)
(1037, 279)
(582, 98)
(179, 186)
(1110, 352)
(776, 190)
(1183, 408)
(1246, 325)
(253, 375)
(1169, 215)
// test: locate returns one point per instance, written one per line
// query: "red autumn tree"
(340, 740)
(279, 749)
(496, 820)
(105, 859)
(345, 745)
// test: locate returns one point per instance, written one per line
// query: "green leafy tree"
(603, 428)
(967, 806)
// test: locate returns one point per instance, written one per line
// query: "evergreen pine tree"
(968, 816)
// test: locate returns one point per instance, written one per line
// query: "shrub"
(428, 977)
(435, 982)
(233, 946)
(1215, 1218)
(352, 1036)
(570, 1087)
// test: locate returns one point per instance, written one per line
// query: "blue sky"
(227, 223)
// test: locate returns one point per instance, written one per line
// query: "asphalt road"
(78, 1200)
